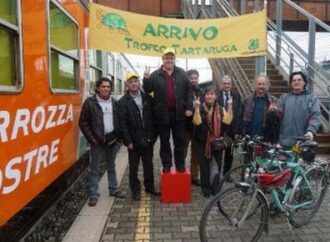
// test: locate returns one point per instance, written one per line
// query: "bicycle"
(242, 211)
(259, 154)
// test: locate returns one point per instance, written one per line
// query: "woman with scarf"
(207, 119)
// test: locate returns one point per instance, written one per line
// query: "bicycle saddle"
(308, 144)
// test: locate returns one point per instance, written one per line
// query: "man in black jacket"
(231, 130)
(99, 124)
(193, 77)
(137, 130)
(172, 102)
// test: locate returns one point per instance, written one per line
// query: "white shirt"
(106, 106)
(138, 100)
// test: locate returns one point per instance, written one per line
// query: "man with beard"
(193, 77)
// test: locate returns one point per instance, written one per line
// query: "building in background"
(163, 8)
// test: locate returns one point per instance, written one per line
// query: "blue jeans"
(108, 155)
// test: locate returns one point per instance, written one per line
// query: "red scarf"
(213, 124)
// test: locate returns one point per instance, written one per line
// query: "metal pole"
(232, 3)
(311, 50)
(291, 63)
(213, 9)
(329, 118)
(196, 7)
(279, 9)
(243, 6)
(260, 61)
(257, 5)
(260, 65)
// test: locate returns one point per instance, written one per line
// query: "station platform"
(124, 220)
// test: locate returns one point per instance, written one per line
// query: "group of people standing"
(173, 104)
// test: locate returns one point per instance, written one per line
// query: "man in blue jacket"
(299, 111)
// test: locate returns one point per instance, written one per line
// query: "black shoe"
(136, 196)
(181, 169)
(153, 192)
(166, 169)
(196, 182)
(117, 194)
(206, 194)
(92, 202)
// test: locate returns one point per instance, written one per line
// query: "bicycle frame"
(298, 173)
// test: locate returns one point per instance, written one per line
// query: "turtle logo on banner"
(113, 21)
(253, 44)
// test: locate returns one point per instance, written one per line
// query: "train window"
(94, 75)
(95, 58)
(119, 77)
(118, 86)
(8, 11)
(10, 54)
(95, 69)
(119, 70)
(7, 57)
(64, 50)
(111, 65)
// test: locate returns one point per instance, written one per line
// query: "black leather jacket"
(183, 94)
(91, 120)
(135, 130)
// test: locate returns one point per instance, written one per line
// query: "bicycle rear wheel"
(221, 216)
(311, 195)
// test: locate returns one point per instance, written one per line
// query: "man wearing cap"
(172, 102)
(137, 129)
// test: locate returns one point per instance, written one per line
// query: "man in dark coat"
(172, 102)
(137, 130)
(230, 129)
(99, 123)
(193, 77)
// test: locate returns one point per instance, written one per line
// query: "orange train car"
(43, 59)
(46, 71)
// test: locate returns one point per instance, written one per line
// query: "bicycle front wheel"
(236, 174)
(307, 197)
(222, 219)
